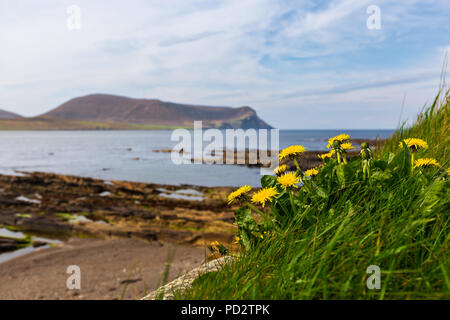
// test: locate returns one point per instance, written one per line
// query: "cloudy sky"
(299, 64)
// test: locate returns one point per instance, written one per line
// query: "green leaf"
(340, 175)
(380, 176)
(388, 157)
(401, 163)
(268, 181)
(321, 192)
(406, 160)
(344, 174)
(381, 164)
(246, 225)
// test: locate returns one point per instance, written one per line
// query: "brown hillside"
(8, 115)
(116, 109)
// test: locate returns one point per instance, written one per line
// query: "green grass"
(49, 123)
(320, 243)
(431, 125)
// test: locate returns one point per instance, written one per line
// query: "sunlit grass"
(317, 241)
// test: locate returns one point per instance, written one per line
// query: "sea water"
(129, 155)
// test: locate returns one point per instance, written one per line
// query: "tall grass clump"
(314, 234)
(431, 125)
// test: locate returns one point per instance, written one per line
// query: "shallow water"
(181, 194)
(23, 251)
(189, 192)
(111, 155)
(75, 218)
(11, 234)
(19, 235)
(17, 253)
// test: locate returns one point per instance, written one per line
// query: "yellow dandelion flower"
(289, 179)
(279, 170)
(347, 146)
(448, 171)
(237, 240)
(341, 138)
(214, 245)
(414, 143)
(311, 172)
(264, 195)
(238, 193)
(323, 156)
(426, 162)
(292, 151)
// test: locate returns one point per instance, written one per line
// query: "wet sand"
(110, 269)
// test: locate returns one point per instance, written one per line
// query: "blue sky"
(299, 64)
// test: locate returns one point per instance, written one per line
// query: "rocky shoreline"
(252, 159)
(120, 233)
(61, 206)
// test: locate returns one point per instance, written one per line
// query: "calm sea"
(128, 155)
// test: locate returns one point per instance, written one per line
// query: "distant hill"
(117, 111)
(8, 115)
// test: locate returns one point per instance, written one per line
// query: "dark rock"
(7, 244)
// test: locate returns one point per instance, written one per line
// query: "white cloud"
(212, 52)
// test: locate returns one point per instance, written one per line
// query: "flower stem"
(296, 164)
(292, 202)
(307, 186)
(265, 216)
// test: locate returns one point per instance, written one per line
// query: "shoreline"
(122, 218)
(60, 206)
(110, 269)
(308, 160)
(104, 227)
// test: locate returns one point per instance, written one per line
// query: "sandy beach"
(110, 269)
(121, 234)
